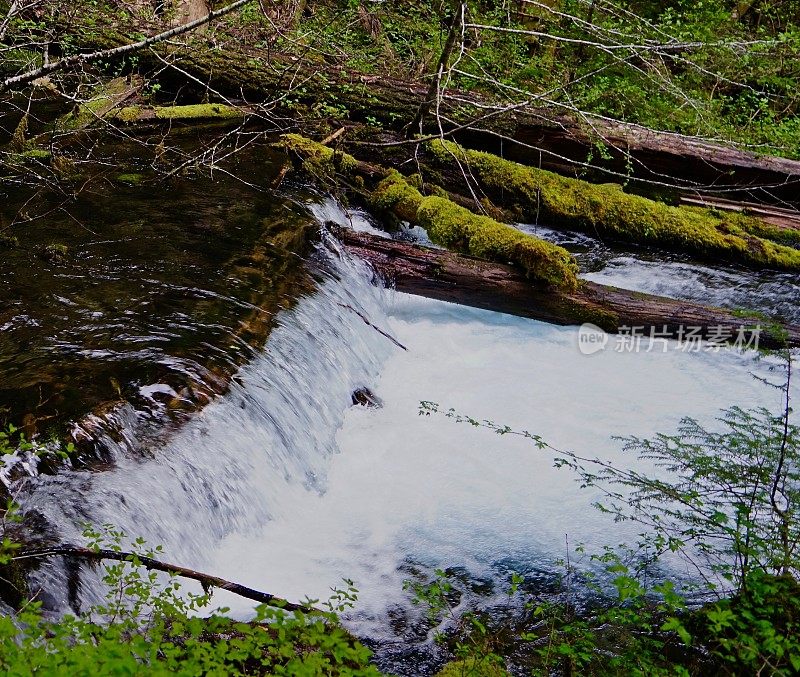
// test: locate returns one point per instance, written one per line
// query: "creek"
(281, 482)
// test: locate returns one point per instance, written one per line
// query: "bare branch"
(54, 66)
(155, 565)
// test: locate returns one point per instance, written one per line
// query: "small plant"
(149, 625)
(725, 500)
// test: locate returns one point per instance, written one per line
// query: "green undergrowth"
(149, 626)
(472, 667)
(607, 211)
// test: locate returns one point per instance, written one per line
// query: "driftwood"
(206, 580)
(443, 275)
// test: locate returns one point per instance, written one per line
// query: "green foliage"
(724, 499)
(757, 632)
(732, 78)
(149, 626)
(14, 441)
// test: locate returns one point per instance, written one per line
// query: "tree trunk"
(443, 275)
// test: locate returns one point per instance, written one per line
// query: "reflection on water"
(159, 294)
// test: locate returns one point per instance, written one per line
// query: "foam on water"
(283, 485)
(408, 491)
(770, 292)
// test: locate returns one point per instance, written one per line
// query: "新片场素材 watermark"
(685, 338)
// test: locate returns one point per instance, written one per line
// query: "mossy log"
(452, 277)
(542, 138)
(447, 223)
(103, 100)
(203, 112)
(541, 196)
(606, 211)
(532, 136)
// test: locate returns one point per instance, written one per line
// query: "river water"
(282, 483)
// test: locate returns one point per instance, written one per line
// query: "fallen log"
(446, 276)
(535, 195)
(206, 580)
(542, 137)
(526, 134)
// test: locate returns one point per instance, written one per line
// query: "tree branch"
(206, 580)
(54, 66)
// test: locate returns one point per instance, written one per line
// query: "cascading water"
(276, 426)
(675, 276)
(284, 485)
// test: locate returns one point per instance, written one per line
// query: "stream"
(281, 481)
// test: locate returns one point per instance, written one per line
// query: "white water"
(283, 485)
(771, 292)
(406, 488)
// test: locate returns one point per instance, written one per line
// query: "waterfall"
(218, 472)
(284, 485)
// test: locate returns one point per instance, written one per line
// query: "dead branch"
(76, 59)
(206, 580)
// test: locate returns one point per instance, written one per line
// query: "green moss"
(55, 253)
(396, 194)
(205, 111)
(37, 154)
(317, 160)
(769, 231)
(30, 156)
(456, 227)
(102, 100)
(607, 211)
(128, 114)
(472, 667)
(132, 178)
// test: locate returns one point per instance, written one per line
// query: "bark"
(446, 276)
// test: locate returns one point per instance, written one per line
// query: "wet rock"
(53, 253)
